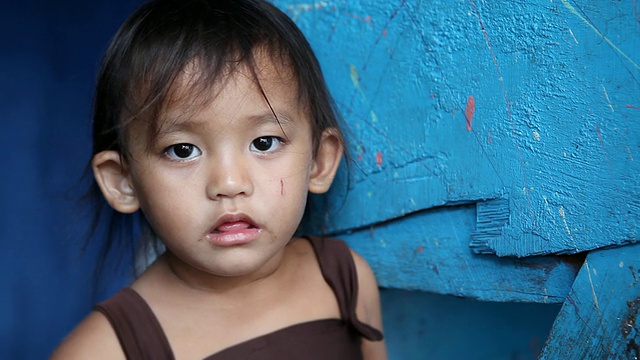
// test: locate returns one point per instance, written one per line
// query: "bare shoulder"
(368, 308)
(93, 338)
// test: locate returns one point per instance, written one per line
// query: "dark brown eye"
(266, 143)
(182, 151)
(262, 143)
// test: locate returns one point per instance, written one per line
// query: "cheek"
(292, 180)
(292, 193)
(289, 192)
(160, 202)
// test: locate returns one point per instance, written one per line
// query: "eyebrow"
(170, 125)
(178, 124)
(281, 119)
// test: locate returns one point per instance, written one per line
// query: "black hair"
(157, 43)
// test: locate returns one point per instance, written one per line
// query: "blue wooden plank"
(451, 102)
(429, 251)
(420, 325)
(598, 320)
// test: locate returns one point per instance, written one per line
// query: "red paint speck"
(469, 111)
(384, 32)
(360, 157)
(420, 249)
(632, 107)
(365, 19)
(432, 95)
(379, 158)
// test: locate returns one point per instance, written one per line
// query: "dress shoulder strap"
(339, 271)
(137, 328)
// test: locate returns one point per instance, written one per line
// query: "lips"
(232, 226)
(231, 230)
(232, 222)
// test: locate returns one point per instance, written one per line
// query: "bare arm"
(94, 338)
(368, 308)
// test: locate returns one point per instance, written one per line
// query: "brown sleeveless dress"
(142, 337)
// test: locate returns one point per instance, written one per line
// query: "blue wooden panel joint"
(477, 128)
(530, 105)
(429, 251)
(599, 319)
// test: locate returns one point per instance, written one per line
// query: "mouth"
(232, 223)
(230, 230)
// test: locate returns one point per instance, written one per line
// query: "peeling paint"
(630, 330)
(566, 225)
(354, 76)
(536, 135)
(297, 9)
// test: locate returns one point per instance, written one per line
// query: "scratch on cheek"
(281, 187)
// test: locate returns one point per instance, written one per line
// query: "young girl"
(213, 120)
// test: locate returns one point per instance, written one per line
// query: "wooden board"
(532, 106)
(429, 251)
(599, 319)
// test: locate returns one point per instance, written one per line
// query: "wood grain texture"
(429, 251)
(599, 318)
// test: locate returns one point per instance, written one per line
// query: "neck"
(187, 276)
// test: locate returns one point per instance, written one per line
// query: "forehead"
(261, 87)
(195, 85)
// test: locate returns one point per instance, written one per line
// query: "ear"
(112, 177)
(326, 162)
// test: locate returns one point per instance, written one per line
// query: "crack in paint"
(606, 96)
(383, 32)
(587, 268)
(595, 29)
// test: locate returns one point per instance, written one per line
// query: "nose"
(228, 177)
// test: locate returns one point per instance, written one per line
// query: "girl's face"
(225, 187)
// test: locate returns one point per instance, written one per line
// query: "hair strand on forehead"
(254, 74)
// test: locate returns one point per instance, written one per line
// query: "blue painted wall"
(493, 128)
(49, 53)
(542, 160)
(422, 325)
(533, 104)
